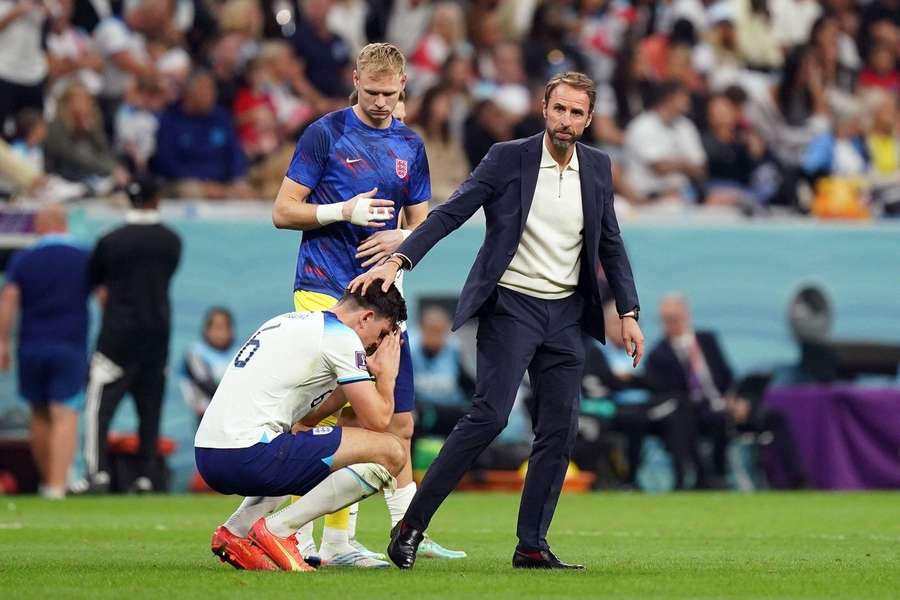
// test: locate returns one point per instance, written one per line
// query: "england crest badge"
(402, 168)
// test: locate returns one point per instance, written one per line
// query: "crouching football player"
(299, 368)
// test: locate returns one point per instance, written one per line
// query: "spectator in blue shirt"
(440, 381)
(197, 148)
(47, 286)
(326, 55)
(840, 152)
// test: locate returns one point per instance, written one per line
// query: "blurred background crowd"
(762, 108)
(756, 104)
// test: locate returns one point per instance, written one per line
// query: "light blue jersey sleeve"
(343, 352)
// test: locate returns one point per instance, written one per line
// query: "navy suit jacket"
(503, 183)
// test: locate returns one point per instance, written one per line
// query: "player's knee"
(402, 425)
(394, 455)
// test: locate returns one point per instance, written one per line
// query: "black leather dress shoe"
(539, 559)
(404, 545)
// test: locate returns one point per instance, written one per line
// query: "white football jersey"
(283, 372)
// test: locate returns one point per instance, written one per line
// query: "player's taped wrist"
(363, 213)
(326, 214)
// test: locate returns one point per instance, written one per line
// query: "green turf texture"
(691, 545)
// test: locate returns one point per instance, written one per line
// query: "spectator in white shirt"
(23, 63)
(446, 36)
(663, 152)
(792, 20)
(347, 18)
(137, 120)
(407, 23)
(71, 53)
(123, 47)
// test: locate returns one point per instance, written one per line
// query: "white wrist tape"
(405, 233)
(364, 212)
(329, 213)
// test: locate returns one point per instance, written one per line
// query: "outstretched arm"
(441, 221)
(472, 194)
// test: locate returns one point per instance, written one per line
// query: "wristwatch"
(404, 263)
(634, 313)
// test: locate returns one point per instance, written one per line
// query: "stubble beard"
(561, 144)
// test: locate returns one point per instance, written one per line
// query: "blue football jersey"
(339, 157)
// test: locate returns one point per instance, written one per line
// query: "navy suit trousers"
(516, 333)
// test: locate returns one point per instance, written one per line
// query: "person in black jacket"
(133, 265)
(690, 366)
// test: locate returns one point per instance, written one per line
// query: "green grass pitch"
(692, 545)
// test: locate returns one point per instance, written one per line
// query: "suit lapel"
(531, 164)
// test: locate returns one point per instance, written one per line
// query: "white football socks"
(334, 536)
(336, 540)
(398, 501)
(251, 510)
(351, 521)
(341, 488)
(305, 538)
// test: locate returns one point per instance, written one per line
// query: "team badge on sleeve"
(361, 361)
(402, 168)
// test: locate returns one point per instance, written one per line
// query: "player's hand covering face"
(384, 362)
(372, 330)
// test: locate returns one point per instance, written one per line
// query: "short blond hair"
(379, 58)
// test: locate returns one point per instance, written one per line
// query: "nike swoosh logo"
(355, 160)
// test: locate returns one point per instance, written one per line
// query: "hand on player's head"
(385, 273)
(382, 303)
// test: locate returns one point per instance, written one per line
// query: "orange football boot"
(283, 551)
(239, 552)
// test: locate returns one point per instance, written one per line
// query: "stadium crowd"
(747, 103)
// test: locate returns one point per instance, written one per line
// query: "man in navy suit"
(549, 207)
